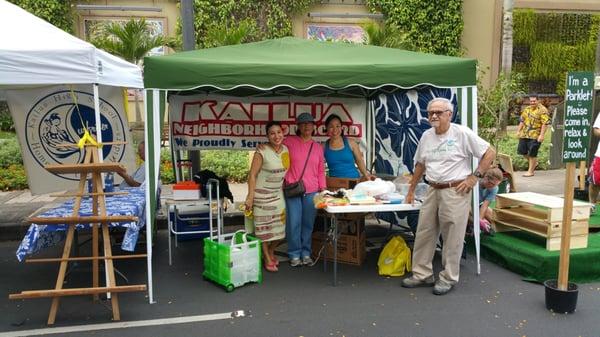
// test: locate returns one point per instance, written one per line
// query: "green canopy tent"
(293, 66)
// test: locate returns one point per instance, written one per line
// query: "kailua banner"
(221, 122)
(45, 118)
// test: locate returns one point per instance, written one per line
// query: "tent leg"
(149, 215)
(98, 123)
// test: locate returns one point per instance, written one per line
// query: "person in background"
(531, 130)
(342, 154)
(444, 154)
(265, 196)
(139, 176)
(594, 174)
(301, 211)
(488, 188)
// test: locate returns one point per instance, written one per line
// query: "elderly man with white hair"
(444, 155)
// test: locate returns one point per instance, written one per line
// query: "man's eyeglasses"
(437, 113)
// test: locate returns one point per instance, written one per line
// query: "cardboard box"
(350, 248)
(186, 190)
(348, 223)
(337, 183)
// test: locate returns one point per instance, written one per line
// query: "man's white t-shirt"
(597, 126)
(447, 157)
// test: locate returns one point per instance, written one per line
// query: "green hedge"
(233, 165)
(12, 171)
(13, 177)
(10, 152)
(431, 26)
(508, 146)
(547, 45)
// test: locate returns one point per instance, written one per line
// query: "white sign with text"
(222, 122)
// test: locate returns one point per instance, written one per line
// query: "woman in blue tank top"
(342, 154)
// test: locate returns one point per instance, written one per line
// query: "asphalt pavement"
(294, 301)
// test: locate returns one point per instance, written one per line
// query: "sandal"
(271, 267)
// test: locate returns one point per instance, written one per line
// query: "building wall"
(480, 39)
(482, 35)
(168, 12)
(301, 21)
(167, 16)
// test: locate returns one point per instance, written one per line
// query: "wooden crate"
(541, 215)
(350, 248)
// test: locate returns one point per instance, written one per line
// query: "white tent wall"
(41, 54)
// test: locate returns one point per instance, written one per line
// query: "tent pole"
(149, 187)
(468, 118)
(98, 124)
(475, 129)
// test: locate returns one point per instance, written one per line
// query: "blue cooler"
(189, 218)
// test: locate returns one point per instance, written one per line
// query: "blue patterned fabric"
(39, 237)
(400, 120)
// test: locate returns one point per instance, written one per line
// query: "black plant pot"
(580, 194)
(561, 301)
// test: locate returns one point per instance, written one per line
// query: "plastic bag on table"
(374, 187)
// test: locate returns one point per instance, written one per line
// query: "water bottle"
(109, 181)
(90, 185)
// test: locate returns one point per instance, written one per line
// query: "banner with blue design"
(48, 117)
(400, 120)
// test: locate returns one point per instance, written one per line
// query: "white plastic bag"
(374, 188)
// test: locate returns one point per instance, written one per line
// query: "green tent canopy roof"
(304, 64)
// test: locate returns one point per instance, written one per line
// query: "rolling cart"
(230, 260)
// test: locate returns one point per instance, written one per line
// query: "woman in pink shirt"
(300, 210)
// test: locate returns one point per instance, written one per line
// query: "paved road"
(300, 302)
(296, 302)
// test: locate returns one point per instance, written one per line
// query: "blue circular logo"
(55, 120)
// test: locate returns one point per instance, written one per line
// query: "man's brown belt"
(441, 186)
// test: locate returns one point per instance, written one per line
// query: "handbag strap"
(306, 162)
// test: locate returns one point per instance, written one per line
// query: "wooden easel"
(99, 220)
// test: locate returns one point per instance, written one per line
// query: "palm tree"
(507, 51)
(131, 40)
(386, 35)
(225, 35)
(507, 36)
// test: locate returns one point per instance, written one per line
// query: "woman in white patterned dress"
(265, 196)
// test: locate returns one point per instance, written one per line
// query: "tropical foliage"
(386, 35)
(225, 35)
(547, 45)
(12, 172)
(494, 104)
(6, 121)
(57, 12)
(264, 19)
(131, 40)
(430, 26)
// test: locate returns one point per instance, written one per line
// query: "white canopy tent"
(34, 53)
